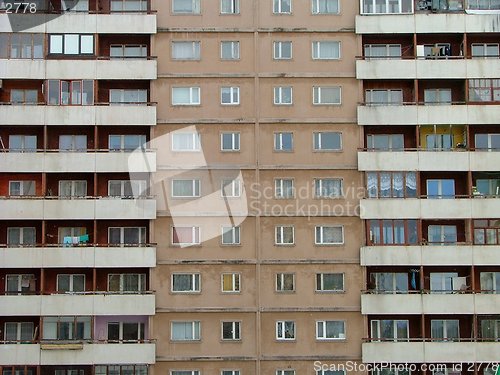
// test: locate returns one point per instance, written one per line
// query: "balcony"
(413, 208)
(77, 304)
(120, 114)
(428, 161)
(445, 114)
(73, 209)
(78, 256)
(129, 69)
(98, 162)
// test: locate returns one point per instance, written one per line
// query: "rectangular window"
(186, 236)
(446, 330)
(67, 328)
(127, 282)
(126, 142)
(128, 50)
(385, 142)
(285, 282)
(485, 50)
(23, 96)
(186, 6)
(283, 95)
(230, 6)
(437, 96)
(284, 235)
(127, 188)
(21, 236)
(325, 235)
(231, 188)
(342, 372)
(128, 96)
(484, 90)
(229, 95)
(230, 282)
(387, 6)
(72, 188)
(186, 282)
(325, 6)
(330, 330)
(77, 6)
(22, 188)
(442, 234)
(21, 46)
(391, 184)
(441, 189)
(185, 188)
(185, 372)
(439, 141)
(327, 141)
(283, 141)
(231, 235)
(70, 283)
(186, 142)
(392, 232)
(443, 282)
(490, 282)
(230, 50)
(326, 50)
(382, 51)
(282, 6)
(186, 50)
(285, 330)
(20, 284)
(282, 50)
(71, 44)
(72, 143)
(186, 96)
(387, 330)
(283, 188)
(127, 235)
(483, 4)
(72, 235)
(486, 232)
(230, 141)
(70, 92)
(329, 282)
(490, 329)
(230, 372)
(22, 143)
(125, 332)
(328, 187)
(488, 142)
(185, 331)
(389, 282)
(19, 332)
(326, 95)
(384, 97)
(231, 330)
(285, 372)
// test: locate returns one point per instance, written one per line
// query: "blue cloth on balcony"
(84, 238)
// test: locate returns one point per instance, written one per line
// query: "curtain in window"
(372, 185)
(397, 185)
(411, 184)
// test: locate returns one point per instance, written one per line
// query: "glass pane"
(71, 44)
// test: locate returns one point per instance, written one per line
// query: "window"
(185, 372)
(230, 235)
(283, 141)
(229, 50)
(186, 6)
(328, 187)
(229, 95)
(437, 96)
(442, 189)
(230, 372)
(72, 188)
(20, 284)
(285, 330)
(326, 95)
(127, 282)
(186, 142)
(483, 4)
(127, 188)
(490, 282)
(22, 143)
(325, 6)
(21, 46)
(230, 282)
(387, 6)
(327, 141)
(484, 90)
(490, 329)
(22, 188)
(71, 44)
(439, 141)
(231, 330)
(283, 95)
(285, 282)
(284, 235)
(229, 6)
(336, 372)
(391, 184)
(19, 331)
(231, 188)
(21, 236)
(285, 372)
(186, 50)
(185, 96)
(384, 97)
(445, 329)
(128, 50)
(67, 328)
(230, 141)
(70, 92)
(329, 282)
(325, 235)
(485, 50)
(283, 188)
(390, 330)
(382, 51)
(282, 50)
(185, 331)
(76, 6)
(443, 282)
(70, 283)
(442, 234)
(389, 282)
(486, 232)
(186, 282)
(128, 96)
(72, 235)
(127, 235)
(282, 6)
(326, 50)
(330, 330)
(126, 332)
(186, 236)
(385, 142)
(23, 96)
(487, 142)
(128, 5)
(185, 188)
(72, 143)
(392, 232)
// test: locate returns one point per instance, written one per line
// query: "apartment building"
(430, 76)
(76, 253)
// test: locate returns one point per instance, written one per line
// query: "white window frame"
(22, 187)
(278, 95)
(234, 187)
(59, 44)
(19, 329)
(320, 136)
(235, 282)
(280, 281)
(317, 99)
(19, 278)
(195, 140)
(315, 7)
(318, 185)
(195, 186)
(281, 325)
(195, 330)
(375, 329)
(445, 329)
(484, 46)
(392, 97)
(278, 142)
(230, 372)
(25, 140)
(278, 50)
(285, 372)
(235, 141)
(279, 233)
(71, 282)
(21, 235)
(367, 50)
(195, 50)
(234, 6)
(323, 324)
(400, 6)
(234, 95)
(141, 287)
(195, 7)
(320, 240)
(234, 232)
(141, 231)
(195, 232)
(234, 46)
(317, 48)
(235, 330)
(138, 186)
(73, 184)
(321, 287)
(279, 188)
(195, 283)
(278, 7)
(194, 91)
(185, 372)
